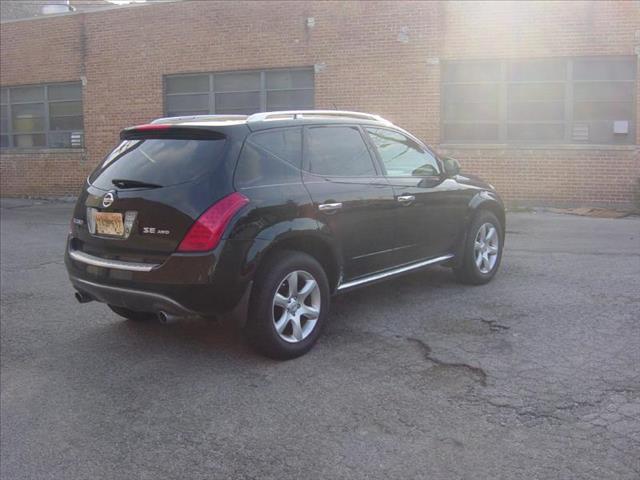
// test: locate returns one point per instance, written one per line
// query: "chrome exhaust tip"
(166, 318)
(82, 297)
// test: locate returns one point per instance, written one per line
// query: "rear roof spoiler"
(168, 130)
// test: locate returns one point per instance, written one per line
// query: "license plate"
(108, 223)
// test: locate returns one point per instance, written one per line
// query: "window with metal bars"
(589, 100)
(42, 116)
(241, 93)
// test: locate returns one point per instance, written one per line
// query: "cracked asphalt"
(534, 376)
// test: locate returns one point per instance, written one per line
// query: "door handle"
(329, 207)
(406, 199)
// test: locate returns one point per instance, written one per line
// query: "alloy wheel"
(486, 247)
(296, 306)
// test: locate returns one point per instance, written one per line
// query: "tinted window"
(402, 156)
(270, 158)
(285, 144)
(337, 151)
(159, 161)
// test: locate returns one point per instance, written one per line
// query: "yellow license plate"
(108, 223)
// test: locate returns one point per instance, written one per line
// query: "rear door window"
(337, 151)
(159, 161)
(271, 158)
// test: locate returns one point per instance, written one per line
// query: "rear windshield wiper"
(124, 183)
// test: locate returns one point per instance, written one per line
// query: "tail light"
(207, 230)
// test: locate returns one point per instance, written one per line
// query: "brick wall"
(43, 174)
(555, 177)
(381, 57)
(563, 176)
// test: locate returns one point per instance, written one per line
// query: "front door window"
(401, 156)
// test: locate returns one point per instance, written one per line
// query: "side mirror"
(451, 166)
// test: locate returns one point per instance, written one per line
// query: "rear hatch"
(143, 198)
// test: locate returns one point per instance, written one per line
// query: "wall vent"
(580, 132)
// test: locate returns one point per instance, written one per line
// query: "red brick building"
(540, 98)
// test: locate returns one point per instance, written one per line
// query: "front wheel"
(289, 303)
(482, 251)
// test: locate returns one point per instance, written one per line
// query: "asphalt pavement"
(533, 376)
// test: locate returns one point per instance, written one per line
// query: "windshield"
(157, 162)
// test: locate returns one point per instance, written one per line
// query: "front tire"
(132, 314)
(482, 250)
(288, 306)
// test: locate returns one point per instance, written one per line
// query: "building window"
(41, 116)
(241, 93)
(552, 101)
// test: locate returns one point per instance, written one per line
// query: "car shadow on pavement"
(223, 338)
(200, 333)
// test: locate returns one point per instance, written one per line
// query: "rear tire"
(482, 251)
(288, 306)
(132, 314)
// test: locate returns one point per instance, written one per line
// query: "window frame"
(569, 82)
(372, 154)
(211, 92)
(379, 160)
(46, 102)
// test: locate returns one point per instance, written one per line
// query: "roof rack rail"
(295, 114)
(199, 118)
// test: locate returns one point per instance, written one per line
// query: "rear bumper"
(132, 299)
(183, 284)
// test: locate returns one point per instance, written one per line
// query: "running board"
(392, 273)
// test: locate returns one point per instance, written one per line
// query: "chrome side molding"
(329, 207)
(393, 272)
(406, 199)
(82, 257)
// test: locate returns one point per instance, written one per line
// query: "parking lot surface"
(535, 375)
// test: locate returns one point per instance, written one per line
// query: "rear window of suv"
(158, 162)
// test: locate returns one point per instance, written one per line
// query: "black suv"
(267, 216)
